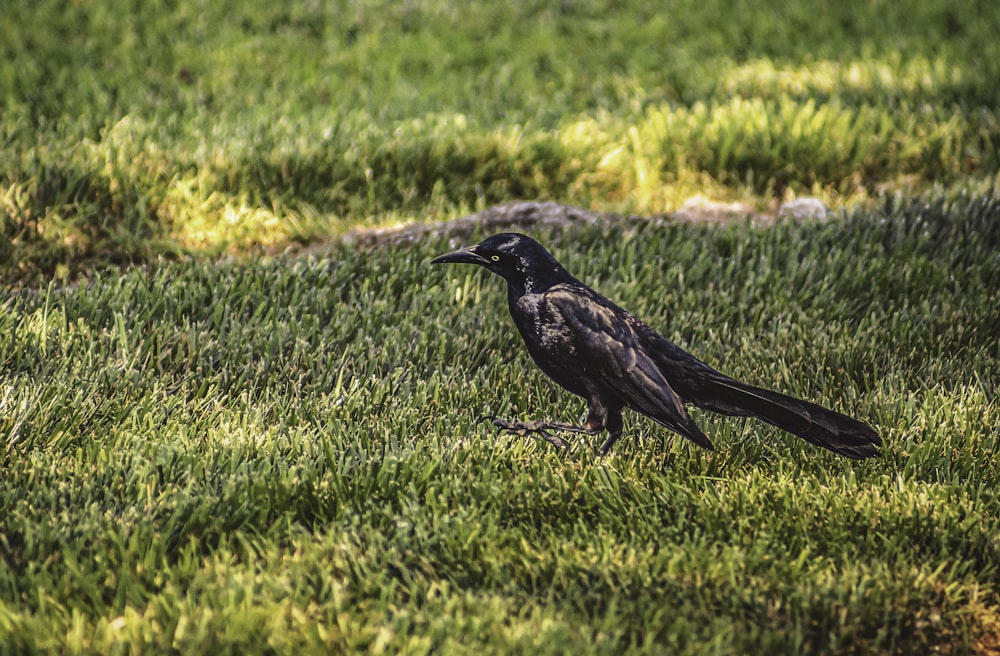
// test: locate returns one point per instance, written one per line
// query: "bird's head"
(520, 260)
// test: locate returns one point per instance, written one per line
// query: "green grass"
(130, 133)
(283, 455)
(210, 446)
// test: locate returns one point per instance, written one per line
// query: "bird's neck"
(538, 281)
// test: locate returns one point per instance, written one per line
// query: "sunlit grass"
(869, 78)
(129, 135)
(127, 196)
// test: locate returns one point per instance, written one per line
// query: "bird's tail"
(813, 423)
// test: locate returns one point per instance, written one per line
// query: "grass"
(284, 455)
(212, 446)
(133, 133)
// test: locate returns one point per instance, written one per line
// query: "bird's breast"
(551, 340)
(544, 331)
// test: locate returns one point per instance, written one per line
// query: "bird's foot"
(528, 428)
(538, 428)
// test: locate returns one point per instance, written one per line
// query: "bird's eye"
(495, 258)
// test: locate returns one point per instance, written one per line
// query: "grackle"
(597, 350)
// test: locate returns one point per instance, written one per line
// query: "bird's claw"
(526, 429)
(522, 428)
(490, 418)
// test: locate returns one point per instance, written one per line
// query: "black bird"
(597, 350)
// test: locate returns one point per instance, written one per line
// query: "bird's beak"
(467, 255)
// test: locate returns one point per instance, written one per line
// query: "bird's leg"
(608, 443)
(614, 424)
(541, 428)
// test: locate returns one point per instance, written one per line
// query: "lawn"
(132, 133)
(226, 430)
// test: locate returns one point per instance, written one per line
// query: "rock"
(699, 209)
(803, 208)
(509, 216)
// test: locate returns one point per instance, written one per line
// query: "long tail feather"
(817, 425)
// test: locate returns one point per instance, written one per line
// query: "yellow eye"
(495, 258)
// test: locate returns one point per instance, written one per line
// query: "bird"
(596, 350)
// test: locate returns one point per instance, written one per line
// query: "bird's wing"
(607, 346)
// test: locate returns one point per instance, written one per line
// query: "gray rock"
(803, 208)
